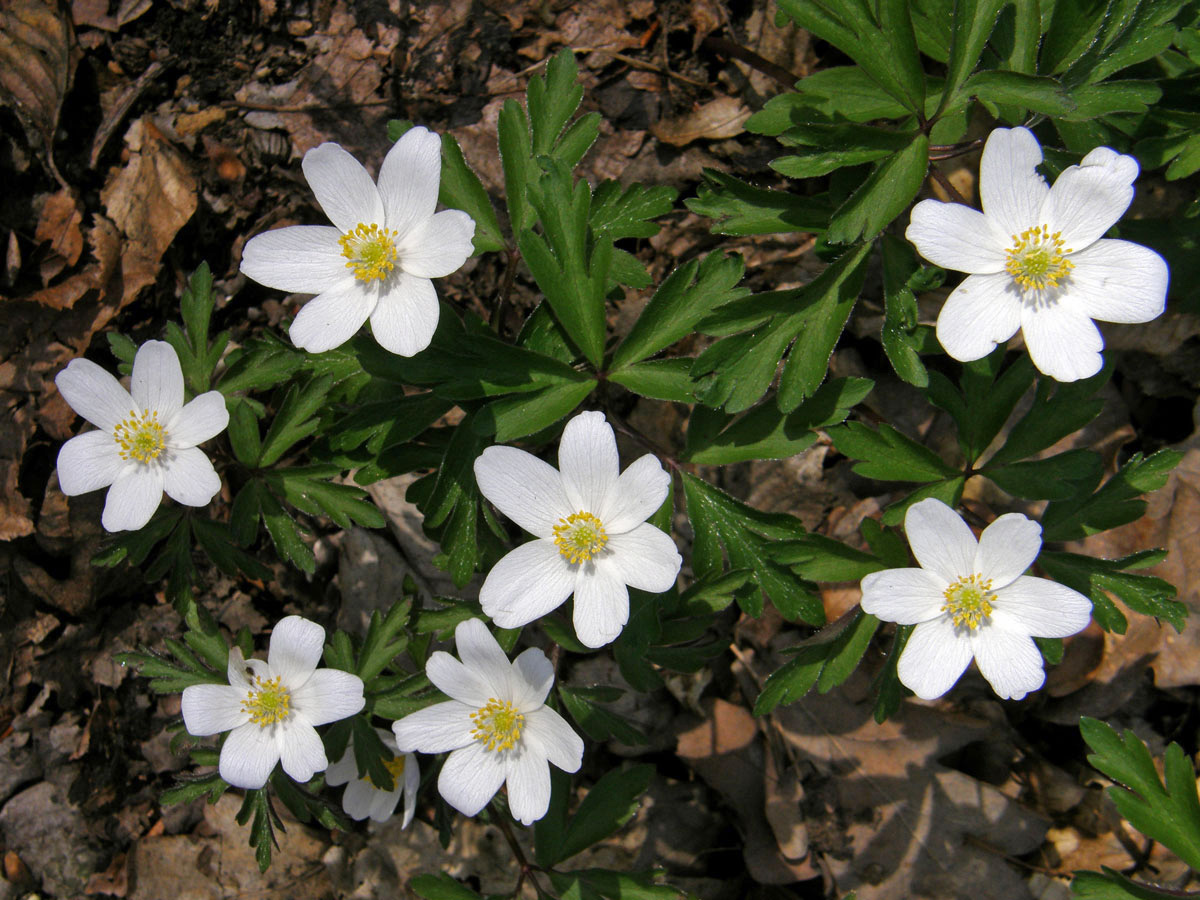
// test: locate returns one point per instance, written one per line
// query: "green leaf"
(839, 92)
(826, 659)
(611, 802)
(295, 420)
(685, 297)
(746, 536)
(553, 99)
(1039, 93)
(597, 722)
(824, 147)
(970, 27)
(451, 507)
(619, 213)
(1096, 578)
(901, 272)
(514, 417)
(1059, 477)
(1117, 502)
(1168, 813)
(886, 193)
(765, 433)
(1112, 885)
(590, 884)
(309, 489)
(888, 455)
(244, 435)
(742, 209)
(284, 532)
(122, 346)
(659, 379)
(516, 156)
(218, 543)
(461, 189)
(1057, 411)
(441, 887)
(820, 558)
(259, 367)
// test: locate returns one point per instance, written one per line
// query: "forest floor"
(154, 136)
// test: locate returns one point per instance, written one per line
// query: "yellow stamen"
(141, 437)
(395, 767)
(580, 536)
(497, 724)
(269, 702)
(969, 601)
(371, 251)
(1037, 259)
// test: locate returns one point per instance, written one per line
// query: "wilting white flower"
(270, 708)
(590, 522)
(362, 798)
(497, 725)
(970, 599)
(378, 259)
(146, 443)
(1036, 257)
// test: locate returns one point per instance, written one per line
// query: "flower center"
(141, 437)
(498, 725)
(969, 601)
(1037, 259)
(269, 702)
(395, 767)
(371, 251)
(580, 536)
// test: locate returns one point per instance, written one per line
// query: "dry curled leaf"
(59, 226)
(724, 117)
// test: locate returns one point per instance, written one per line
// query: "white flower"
(269, 708)
(146, 443)
(497, 726)
(970, 600)
(1037, 260)
(377, 261)
(362, 798)
(590, 524)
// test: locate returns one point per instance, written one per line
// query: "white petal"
(132, 499)
(331, 318)
(358, 799)
(480, 653)
(1088, 199)
(212, 708)
(202, 419)
(409, 178)
(342, 187)
(435, 729)
(903, 596)
(1007, 548)
(456, 681)
(1041, 608)
(554, 739)
(528, 777)
(438, 245)
(957, 237)
(302, 259)
(940, 539)
(1122, 167)
(1062, 342)
(526, 584)
(470, 778)
(328, 695)
(300, 750)
(1011, 189)
(983, 311)
(342, 771)
(601, 603)
(236, 669)
(94, 394)
(296, 647)
(406, 316)
(189, 478)
(412, 781)
(383, 804)
(933, 659)
(1010, 661)
(645, 558)
(533, 676)
(527, 490)
(588, 461)
(248, 756)
(157, 380)
(636, 496)
(88, 462)
(1116, 281)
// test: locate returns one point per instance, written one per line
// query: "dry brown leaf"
(724, 117)
(37, 63)
(59, 225)
(93, 14)
(894, 823)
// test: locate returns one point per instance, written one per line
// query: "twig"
(510, 273)
(937, 175)
(727, 47)
(629, 431)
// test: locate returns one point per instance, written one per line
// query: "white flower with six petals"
(592, 536)
(497, 726)
(146, 442)
(377, 260)
(270, 708)
(1037, 259)
(363, 799)
(971, 600)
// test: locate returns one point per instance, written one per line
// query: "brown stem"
(937, 175)
(728, 48)
(629, 431)
(527, 868)
(510, 273)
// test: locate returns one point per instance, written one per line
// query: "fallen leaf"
(59, 225)
(724, 117)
